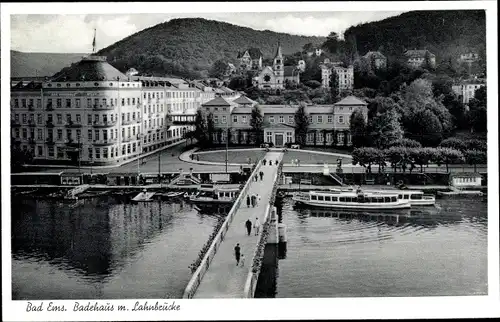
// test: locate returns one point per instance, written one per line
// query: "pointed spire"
(93, 42)
(278, 51)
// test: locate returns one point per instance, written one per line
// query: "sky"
(74, 33)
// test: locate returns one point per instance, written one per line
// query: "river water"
(436, 251)
(105, 249)
(108, 249)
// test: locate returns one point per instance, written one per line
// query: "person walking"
(248, 201)
(256, 226)
(237, 253)
(248, 224)
(264, 162)
(254, 200)
(261, 175)
(258, 199)
(256, 178)
(277, 162)
(242, 260)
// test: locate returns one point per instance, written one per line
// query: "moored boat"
(353, 200)
(215, 195)
(415, 197)
(144, 196)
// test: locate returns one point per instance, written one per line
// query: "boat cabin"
(353, 198)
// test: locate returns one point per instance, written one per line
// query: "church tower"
(278, 68)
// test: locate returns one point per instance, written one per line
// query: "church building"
(278, 75)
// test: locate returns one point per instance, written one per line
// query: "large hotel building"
(93, 113)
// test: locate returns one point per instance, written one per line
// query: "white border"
(321, 308)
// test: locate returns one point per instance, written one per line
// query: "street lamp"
(227, 141)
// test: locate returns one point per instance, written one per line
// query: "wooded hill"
(188, 47)
(39, 64)
(446, 33)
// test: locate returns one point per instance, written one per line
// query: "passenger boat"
(354, 200)
(415, 197)
(215, 195)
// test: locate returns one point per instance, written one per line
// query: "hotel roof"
(351, 100)
(218, 101)
(92, 68)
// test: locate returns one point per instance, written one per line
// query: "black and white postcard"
(176, 161)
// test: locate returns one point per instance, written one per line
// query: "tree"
(408, 143)
(256, 122)
(308, 47)
(397, 155)
(301, 124)
(475, 157)
(219, 69)
(312, 84)
(427, 128)
(334, 84)
(385, 128)
(454, 143)
(332, 42)
(422, 156)
(365, 157)
(357, 126)
(211, 131)
(238, 83)
(449, 156)
(200, 131)
(19, 158)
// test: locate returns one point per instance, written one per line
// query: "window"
(68, 118)
(313, 197)
(89, 134)
(320, 119)
(39, 134)
(59, 103)
(105, 153)
(97, 153)
(340, 138)
(281, 119)
(39, 119)
(289, 137)
(330, 119)
(321, 198)
(341, 119)
(269, 137)
(235, 118)
(24, 119)
(244, 119)
(51, 151)
(123, 102)
(59, 118)
(271, 119)
(25, 133)
(59, 134)
(40, 151)
(96, 134)
(310, 118)
(329, 137)
(224, 119)
(216, 119)
(128, 101)
(290, 119)
(68, 103)
(310, 137)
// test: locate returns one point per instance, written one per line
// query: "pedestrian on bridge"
(237, 253)
(248, 201)
(248, 224)
(264, 162)
(261, 175)
(254, 200)
(256, 178)
(277, 162)
(256, 226)
(258, 199)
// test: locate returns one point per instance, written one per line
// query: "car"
(295, 146)
(264, 145)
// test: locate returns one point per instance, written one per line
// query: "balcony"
(16, 140)
(138, 120)
(15, 123)
(127, 139)
(103, 107)
(71, 124)
(49, 108)
(104, 124)
(104, 142)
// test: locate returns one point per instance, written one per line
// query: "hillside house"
(418, 58)
(250, 59)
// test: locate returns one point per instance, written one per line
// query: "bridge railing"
(195, 280)
(254, 270)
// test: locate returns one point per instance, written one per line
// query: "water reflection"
(104, 246)
(427, 251)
